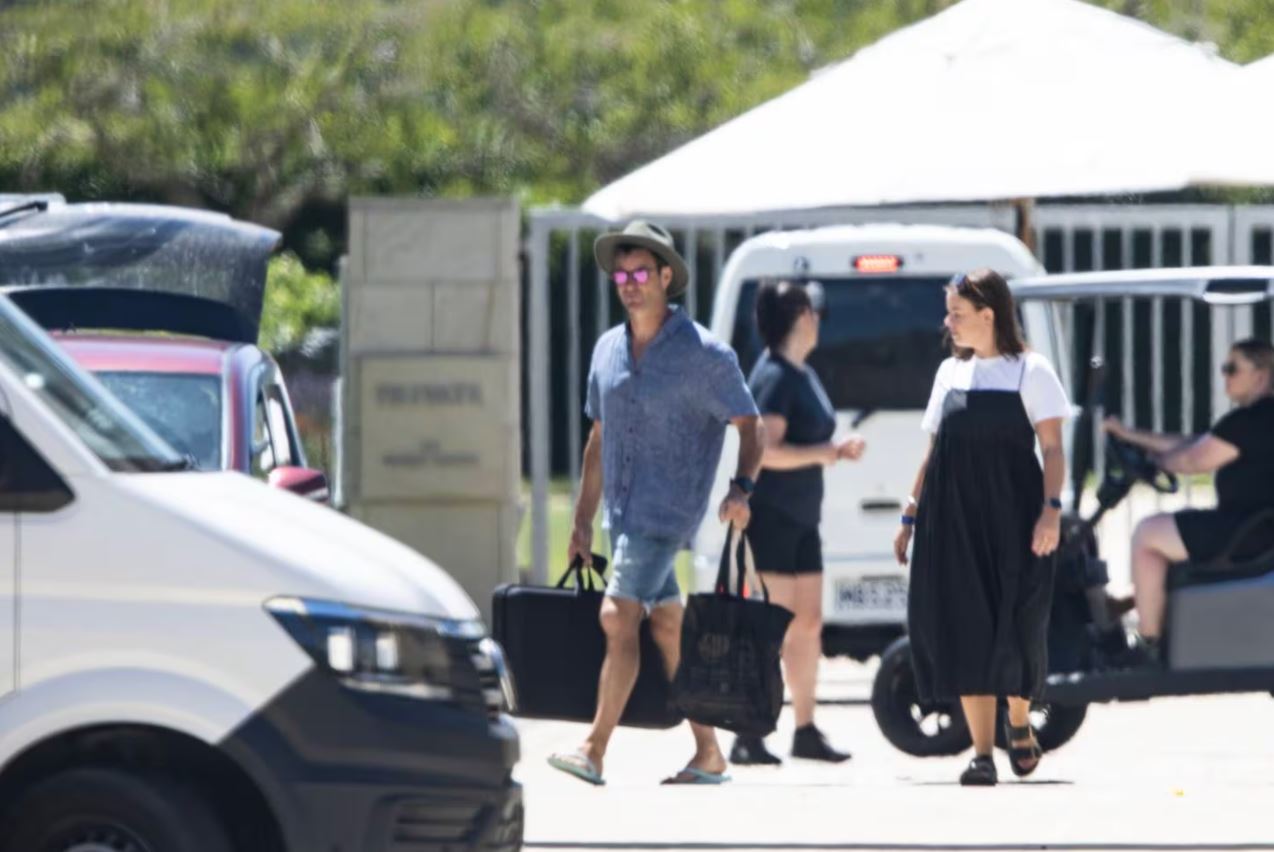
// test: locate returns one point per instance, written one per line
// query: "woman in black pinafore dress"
(987, 521)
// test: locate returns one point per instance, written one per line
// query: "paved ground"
(1173, 774)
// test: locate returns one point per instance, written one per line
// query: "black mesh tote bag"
(730, 676)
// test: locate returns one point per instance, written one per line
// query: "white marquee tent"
(1262, 70)
(990, 99)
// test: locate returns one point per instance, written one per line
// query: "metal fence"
(1154, 345)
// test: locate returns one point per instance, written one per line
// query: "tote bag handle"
(584, 576)
(737, 561)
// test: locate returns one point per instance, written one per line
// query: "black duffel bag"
(730, 675)
(554, 647)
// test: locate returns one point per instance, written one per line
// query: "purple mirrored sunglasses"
(622, 276)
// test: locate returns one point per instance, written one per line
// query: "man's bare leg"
(665, 627)
(620, 619)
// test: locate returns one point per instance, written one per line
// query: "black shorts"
(783, 546)
(1207, 533)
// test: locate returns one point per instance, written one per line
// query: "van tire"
(105, 808)
(921, 732)
(1064, 721)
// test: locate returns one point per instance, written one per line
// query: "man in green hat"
(661, 391)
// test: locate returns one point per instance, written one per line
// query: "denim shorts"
(643, 569)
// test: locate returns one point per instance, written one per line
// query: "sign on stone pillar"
(430, 354)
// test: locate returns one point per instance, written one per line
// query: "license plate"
(887, 594)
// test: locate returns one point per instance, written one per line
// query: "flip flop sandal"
(578, 765)
(690, 775)
(1017, 753)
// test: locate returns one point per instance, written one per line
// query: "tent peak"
(987, 100)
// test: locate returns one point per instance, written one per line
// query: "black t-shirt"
(1247, 483)
(795, 394)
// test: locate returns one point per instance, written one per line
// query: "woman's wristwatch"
(909, 520)
(1055, 503)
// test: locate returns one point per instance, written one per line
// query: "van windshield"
(879, 345)
(109, 429)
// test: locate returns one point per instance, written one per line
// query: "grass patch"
(561, 511)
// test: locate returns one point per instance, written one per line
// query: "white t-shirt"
(1042, 392)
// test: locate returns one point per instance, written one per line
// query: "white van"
(196, 662)
(880, 346)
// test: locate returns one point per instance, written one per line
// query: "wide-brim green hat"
(648, 236)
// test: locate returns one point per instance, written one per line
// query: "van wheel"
(911, 727)
(1055, 724)
(109, 810)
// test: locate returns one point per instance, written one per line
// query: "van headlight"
(396, 652)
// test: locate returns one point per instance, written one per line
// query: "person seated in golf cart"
(1240, 451)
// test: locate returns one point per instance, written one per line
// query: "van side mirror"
(304, 481)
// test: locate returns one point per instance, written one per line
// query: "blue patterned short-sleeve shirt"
(663, 424)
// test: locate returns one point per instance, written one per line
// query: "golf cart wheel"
(1054, 724)
(910, 726)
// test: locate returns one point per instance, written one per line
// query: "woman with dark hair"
(985, 519)
(1240, 451)
(787, 503)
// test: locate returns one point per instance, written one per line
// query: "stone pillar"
(430, 350)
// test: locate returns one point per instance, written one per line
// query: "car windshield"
(879, 345)
(183, 408)
(121, 440)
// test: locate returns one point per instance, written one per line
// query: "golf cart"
(1219, 631)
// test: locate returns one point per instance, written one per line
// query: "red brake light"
(877, 263)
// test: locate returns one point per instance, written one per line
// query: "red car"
(180, 293)
(222, 404)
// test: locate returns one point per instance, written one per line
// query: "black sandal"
(980, 772)
(1013, 734)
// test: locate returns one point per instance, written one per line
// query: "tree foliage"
(296, 301)
(1242, 30)
(262, 107)
(277, 110)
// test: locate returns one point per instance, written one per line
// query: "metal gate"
(1254, 244)
(568, 295)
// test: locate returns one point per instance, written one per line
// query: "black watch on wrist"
(746, 485)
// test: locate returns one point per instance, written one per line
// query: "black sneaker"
(1141, 653)
(1109, 647)
(809, 743)
(980, 772)
(751, 751)
(1144, 654)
